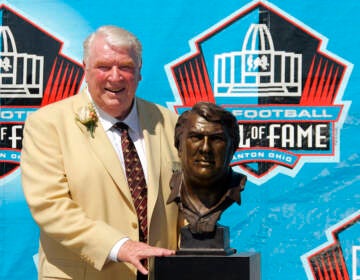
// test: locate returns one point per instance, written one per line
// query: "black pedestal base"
(242, 266)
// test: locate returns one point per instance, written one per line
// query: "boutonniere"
(87, 116)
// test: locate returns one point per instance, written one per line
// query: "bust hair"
(212, 113)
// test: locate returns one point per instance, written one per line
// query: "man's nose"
(115, 74)
(205, 145)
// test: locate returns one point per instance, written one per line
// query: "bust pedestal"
(242, 266)
(215, 243)
(207, 257)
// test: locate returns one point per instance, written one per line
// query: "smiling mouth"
(115, 91)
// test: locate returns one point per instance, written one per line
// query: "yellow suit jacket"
(78, 194)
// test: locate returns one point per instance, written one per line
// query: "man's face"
(204, 150)
(112, 77)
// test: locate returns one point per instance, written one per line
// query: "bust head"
(206, 138)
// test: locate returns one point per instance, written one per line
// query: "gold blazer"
(78, 195)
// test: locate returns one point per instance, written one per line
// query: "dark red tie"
(135, 177)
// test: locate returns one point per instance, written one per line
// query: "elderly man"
(96, 169)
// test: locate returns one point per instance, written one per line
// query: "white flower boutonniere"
(87, 116)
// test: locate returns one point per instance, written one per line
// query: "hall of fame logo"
(276, 76)
(339, 257)
(33, 73)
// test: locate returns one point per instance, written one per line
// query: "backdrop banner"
(286, 69)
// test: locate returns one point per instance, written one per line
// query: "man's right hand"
(133, 252)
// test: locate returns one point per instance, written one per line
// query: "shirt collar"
(107, 121)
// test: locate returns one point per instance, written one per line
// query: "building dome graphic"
(258, 69)
(258, 38)
(7, 42)
(21, 74)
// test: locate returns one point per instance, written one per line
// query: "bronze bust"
(206, 138)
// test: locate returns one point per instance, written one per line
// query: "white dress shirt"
(135, 133)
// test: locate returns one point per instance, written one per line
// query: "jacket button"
(134, 225)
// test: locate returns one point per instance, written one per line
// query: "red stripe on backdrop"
(306, 91)
(320, 93)
(54, 92)
(64, 81)
(47, 91)
(185, 95)
(321, 83)
(192, 99)
(60, 91)
(331, 93)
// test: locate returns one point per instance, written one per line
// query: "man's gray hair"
(115, 37)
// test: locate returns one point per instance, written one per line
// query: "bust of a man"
(206, 138)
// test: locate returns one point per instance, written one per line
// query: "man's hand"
(133, 252)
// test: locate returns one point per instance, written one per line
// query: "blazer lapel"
(151, 132)
(104, 150)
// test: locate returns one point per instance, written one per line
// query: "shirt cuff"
(115, 250)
